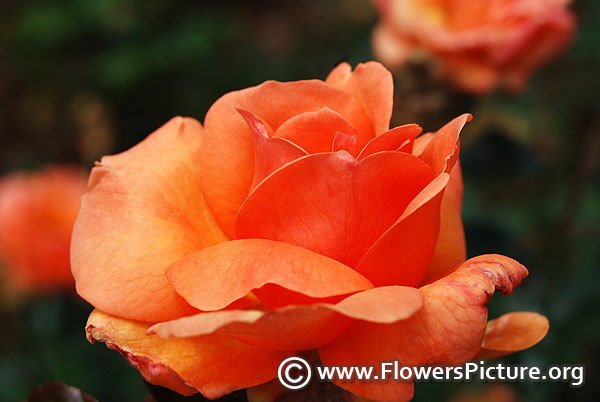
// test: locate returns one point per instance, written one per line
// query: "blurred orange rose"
(37, 213)
(294, 220)
(480, 45)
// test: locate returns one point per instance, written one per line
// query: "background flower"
(479, 45)
(37, 213)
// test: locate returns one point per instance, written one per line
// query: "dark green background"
(79, 79)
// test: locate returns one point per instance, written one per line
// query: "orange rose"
(293, 220)
(37, 213)
(479, 45)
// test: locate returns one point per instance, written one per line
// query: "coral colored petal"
(441, 152)
(143, 211)
(447, 330)
(450, 249)
(345, 142)
(511, 333)
(333, 204)
(372, 84)
(227, 155)
(390, 140)
(403, 253)
(202, 364)
(314, 131)
(299, 327)
(269, 153)
(339, 75)
(204, 278)
(421, 143)
(291, 328)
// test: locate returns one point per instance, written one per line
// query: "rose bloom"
(479, 45)
(293, 220)
(37, 213)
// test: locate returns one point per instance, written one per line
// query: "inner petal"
(314, 131)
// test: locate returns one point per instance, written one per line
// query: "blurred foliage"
(79, 79)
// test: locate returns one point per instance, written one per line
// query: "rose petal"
(201, 364)
(448, 329)
(144, 210)
(511, 333)
(441, 152)
(315, 131)
(345, 142)
(339, 75)
(204, 278)
(314, 203)
(402, 254)
(450, 249)
(269, 153)
(299, 327)
(372, 84)
(390, 140)
(227, 155)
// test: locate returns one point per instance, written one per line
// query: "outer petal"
(447, 330)
(204, 278)
(144, 210)
(190, 365)
(450, 249)
(441, 152)
(403, 253)
(315, 131)
(299, 327)
(511, 333)
(227, 160)
(314, 202)
(373, 85)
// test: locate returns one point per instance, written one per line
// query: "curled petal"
(441, 151)
(447, 330)
(143, 211)
(511, 333)
(201, 364)
(299, 327)
(391, 140)
(314, 131)
(269, 153)
(204, 278)
(313, 203)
